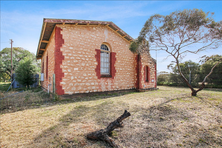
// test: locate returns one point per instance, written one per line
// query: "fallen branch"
(103, 134)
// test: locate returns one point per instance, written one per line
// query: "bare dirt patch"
(169, 117)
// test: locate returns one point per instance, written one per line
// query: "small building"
(91, 56)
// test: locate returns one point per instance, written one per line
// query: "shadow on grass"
(36, 98)
(162, 125)
(218, 104)
(73, 127)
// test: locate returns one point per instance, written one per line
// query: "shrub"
(25, 72)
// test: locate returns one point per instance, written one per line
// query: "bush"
(25, 72)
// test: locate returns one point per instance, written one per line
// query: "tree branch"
(103, 133)
(200, 49)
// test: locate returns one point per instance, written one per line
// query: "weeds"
(24, 99)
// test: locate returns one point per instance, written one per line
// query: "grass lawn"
(169, 117)
(4, 86)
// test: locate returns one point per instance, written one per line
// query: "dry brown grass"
(168, 117)
(15, 101)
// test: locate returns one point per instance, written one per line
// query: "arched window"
(104, 60)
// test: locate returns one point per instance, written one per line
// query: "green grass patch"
(4, 86)
(215, 99)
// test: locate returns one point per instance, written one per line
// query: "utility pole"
(11, 58)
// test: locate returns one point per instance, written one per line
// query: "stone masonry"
(74, 57)
(51, 64)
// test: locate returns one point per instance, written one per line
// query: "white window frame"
(105, 60)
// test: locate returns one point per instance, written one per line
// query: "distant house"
(91, 56)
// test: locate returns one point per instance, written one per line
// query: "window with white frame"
(104, 60)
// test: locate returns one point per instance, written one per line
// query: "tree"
(190, 70)
(18, 55)
(25, 72)
(180, 33)
(163, 77)
(209, 62)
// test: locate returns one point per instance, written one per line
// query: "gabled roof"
(49, 25)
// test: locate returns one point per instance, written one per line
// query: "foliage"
(25, 72)
(189, 69)
(4, 86)
(3, 76)
(163, 77)
(178, 33)
(215, 77)
(18, 55)
(198, 72)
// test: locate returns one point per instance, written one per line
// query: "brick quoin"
(144, 74)
(140, 74)
(137, 72)
(47, 66)
(112, 64)
(155, 76)
(97, 70)
(58, 60)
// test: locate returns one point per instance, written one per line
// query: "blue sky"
(22, 20)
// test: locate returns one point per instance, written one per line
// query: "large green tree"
(25, 72)
(180, 33)
(18, 54)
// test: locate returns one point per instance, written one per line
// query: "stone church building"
(91, 56)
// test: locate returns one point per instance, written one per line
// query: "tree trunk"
(103, 134)
(194, 93)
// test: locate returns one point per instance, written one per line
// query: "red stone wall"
(146, 60)
(58, 61)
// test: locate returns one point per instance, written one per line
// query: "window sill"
(106, 76)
